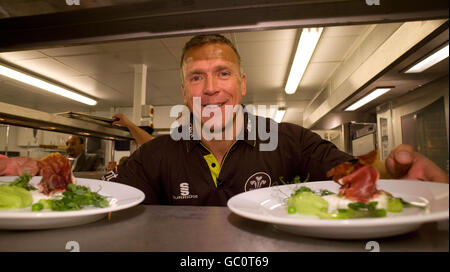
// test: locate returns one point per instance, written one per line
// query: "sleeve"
(318, 155)
(142, 171)
(98, 163)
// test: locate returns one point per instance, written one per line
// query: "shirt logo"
(184, 192)
(257, 181)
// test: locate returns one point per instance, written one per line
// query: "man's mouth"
(213, 105)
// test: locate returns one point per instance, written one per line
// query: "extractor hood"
(25, 117)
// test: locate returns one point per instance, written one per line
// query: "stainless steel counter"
(202, 229)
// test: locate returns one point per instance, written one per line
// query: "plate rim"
(18, 214)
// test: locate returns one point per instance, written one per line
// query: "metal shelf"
(25, 117)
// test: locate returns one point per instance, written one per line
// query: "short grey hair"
(200, 40)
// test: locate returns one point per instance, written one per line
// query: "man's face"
(212, 73)
(74, 147)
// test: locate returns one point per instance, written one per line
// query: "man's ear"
(183, 91)
(243, 84)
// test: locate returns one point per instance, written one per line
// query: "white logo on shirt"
(184, 192)
(257, 181)
(184, 189)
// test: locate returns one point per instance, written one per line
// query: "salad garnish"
(23, 181)
(358, 196)
(75, 197)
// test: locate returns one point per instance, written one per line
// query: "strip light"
(376, 93)
(429, 61)
(5, 71)
(305, 49)
(280, 114)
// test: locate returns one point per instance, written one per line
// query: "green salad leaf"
(295, 180)
(23, 182)
(76, 197)
(356, 210)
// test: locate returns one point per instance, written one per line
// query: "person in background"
(140, 135)
(80, 161)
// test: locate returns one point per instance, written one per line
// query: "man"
(207, 170)
(80, 161)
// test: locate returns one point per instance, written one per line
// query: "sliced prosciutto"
(56, 173)
(358, 179)
(361, 185)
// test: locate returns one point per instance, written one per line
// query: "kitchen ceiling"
(106, 71)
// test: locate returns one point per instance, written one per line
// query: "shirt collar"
(249, 127)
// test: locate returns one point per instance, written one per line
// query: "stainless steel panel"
(25, 117)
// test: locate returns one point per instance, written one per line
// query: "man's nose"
(210, 86)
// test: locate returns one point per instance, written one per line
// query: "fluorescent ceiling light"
(429, 61)
(306, 46)
(376, 93)
(5, 71)
(279, 115)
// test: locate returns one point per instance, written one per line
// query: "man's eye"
(224, 74)
(196, 78)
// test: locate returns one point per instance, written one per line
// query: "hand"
(112, 166)
(122, 120)
(404, 163)
(16, 165)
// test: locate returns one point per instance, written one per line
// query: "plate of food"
(356, 204)
(56, 199)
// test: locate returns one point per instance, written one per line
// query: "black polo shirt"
(184, 172)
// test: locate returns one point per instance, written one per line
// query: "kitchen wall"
(419, 99)
(431, 136)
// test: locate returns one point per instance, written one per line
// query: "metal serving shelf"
(25, 117)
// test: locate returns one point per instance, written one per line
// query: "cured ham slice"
(360, 185)
(56, 173)
(358, 178)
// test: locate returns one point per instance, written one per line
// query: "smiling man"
(211, 72)
(211, 168)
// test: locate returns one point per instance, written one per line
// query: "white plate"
(268, 205)
(120, 196)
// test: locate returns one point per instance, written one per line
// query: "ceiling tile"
(96, 64)
(30, 97)
(71, 51)
(317, 73)
(339, 31)
(158, 91)
(123, 82)
(268, 35)
(21, 55)
(48, 67)
(177, 42)
(266, 53)
(138, 45)
(156, 60)
(165, 78)
(94, 88)
(333, 48)
(273, 75)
